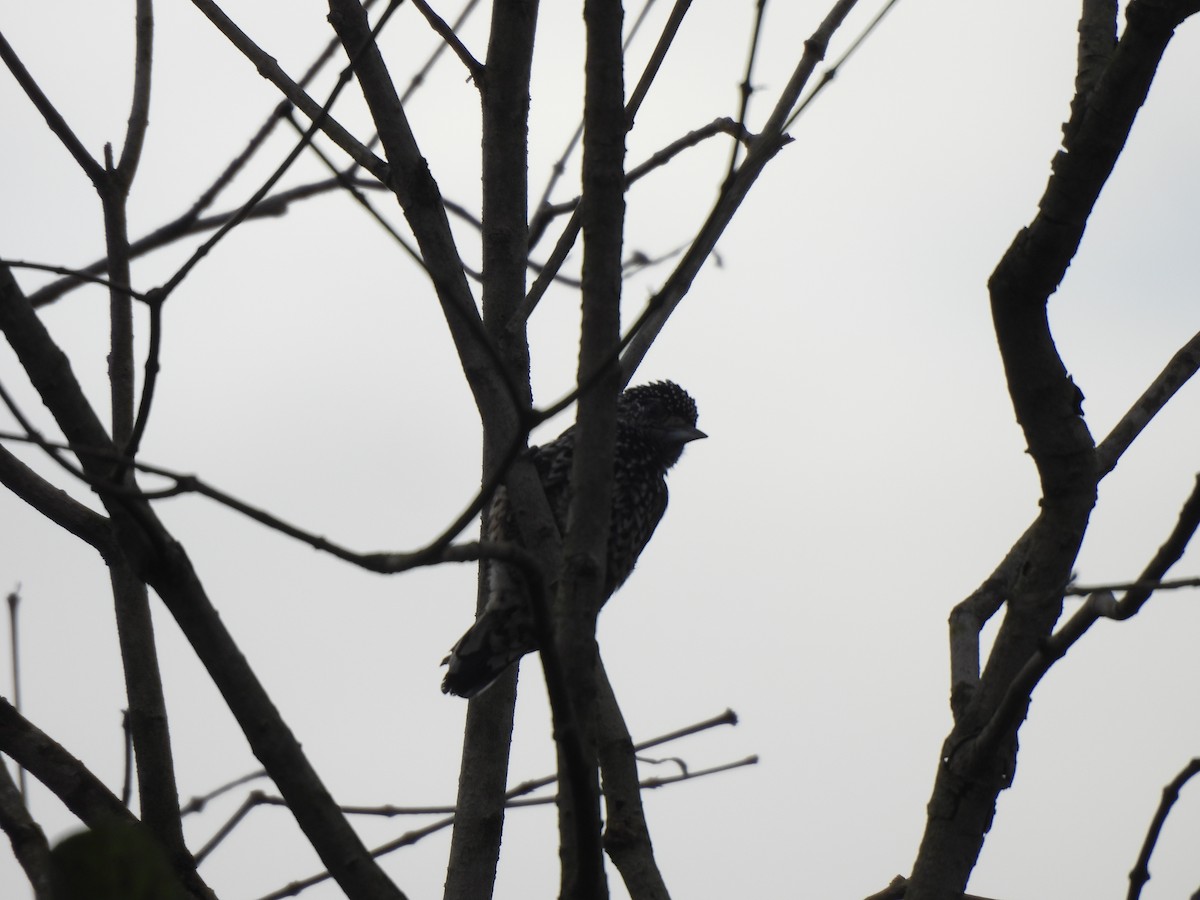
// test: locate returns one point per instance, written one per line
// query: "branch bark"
(504, 87)
(972, 772)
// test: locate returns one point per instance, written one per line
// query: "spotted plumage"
(654, 421)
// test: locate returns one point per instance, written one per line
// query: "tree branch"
(29, 843)
(270, 69)
(139, 112)
(487, 736)
(1178, 371)
(438, 24)
(1141, 870)
(762, 150)
(1047, 405)
(626, 834)
(57, 124)
(156, 557)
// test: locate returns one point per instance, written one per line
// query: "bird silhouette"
(654, 422)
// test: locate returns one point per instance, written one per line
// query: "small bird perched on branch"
(654, 421)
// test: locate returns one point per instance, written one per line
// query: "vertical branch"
(504, 87)
(157, 793)
(626, 835)
(139, 112)
(584, 551)
(14, 600)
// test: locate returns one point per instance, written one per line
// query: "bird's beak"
(685, 433)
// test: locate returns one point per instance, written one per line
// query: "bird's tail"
(496, 641)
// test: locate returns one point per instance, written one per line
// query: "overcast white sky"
(864, 471)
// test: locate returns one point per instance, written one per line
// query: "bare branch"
(155, 554)
(139, 112)
(968, 618)
(762, 150)
(1097, 40)
(665, 39)
(86, 274)
(255, 798)
(197, 803)
(830, 73)
(547, 212)
(14, 646)
(271, 70)
(64, 775)
(1178, 372)
(626, 834)
(487, 733)
(1141, 870)
(1173, 584)
(498, 399)
(447, 34)
(1100, 604)
(747, 85)
(978, 757)
(510, 797)
(318, 122)
(58, 125)
(56, 505)
(29, 843)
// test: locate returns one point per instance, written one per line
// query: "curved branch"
(1141, 870)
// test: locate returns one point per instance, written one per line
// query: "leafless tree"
(488, 314)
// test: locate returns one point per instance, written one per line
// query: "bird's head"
(664, 415)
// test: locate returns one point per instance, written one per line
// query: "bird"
(654, 422)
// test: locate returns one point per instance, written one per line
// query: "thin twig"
(511, 799)
(85, 274)
(764, 148)
(1141, 869)
(270, 69)
(255, 798)
(318, 122)
(1169, 585)
(1175, 374)
(660, 158)
(1100, 604)
(747, 85)
(14, 645)
(139, 107)
(537, 224)
(447, 34)
(197, 803)
(830, 73)
(58, 125)
(190, 222)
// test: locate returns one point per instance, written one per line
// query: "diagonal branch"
(270, 69)
(763, 149)
(409, 178)
(58, 125)
(29, 843)
(1178, 372)
(438, 24)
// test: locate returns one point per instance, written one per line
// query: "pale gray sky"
(864, 471)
